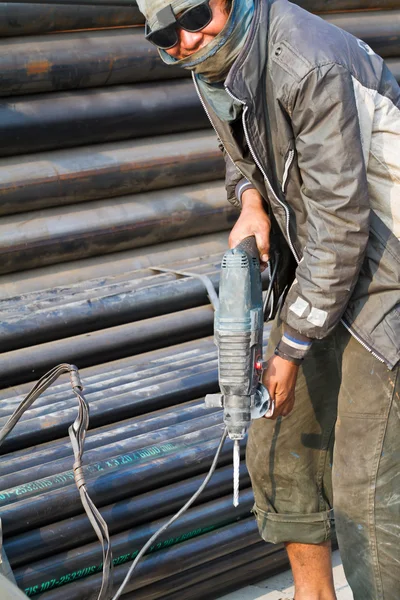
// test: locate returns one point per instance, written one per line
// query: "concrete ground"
(281, 586)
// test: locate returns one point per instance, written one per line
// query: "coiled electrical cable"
(77, 433)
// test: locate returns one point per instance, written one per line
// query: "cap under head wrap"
(151, 8)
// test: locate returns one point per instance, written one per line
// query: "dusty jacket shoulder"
(344, 107)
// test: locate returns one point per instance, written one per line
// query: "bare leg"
(312, 571)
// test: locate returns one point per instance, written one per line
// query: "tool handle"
(249, 245)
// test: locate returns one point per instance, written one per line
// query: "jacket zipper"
(360, 341)
(288, 164)
(212, 124)
(285, 176)
(246, 133)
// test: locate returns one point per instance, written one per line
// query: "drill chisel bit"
(236, 471)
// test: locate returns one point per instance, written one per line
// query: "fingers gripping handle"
(249, 245)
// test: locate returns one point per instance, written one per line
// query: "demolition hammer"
(238, 335)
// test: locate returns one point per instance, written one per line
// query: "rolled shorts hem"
(313, 528)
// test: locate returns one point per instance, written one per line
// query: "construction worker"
(308, 118)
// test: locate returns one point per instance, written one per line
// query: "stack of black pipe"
(151, 441)
(110, 177)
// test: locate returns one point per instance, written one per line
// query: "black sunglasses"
(193, 19)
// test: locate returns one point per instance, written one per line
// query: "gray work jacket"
(321, 118)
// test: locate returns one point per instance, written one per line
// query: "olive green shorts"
(339, 448)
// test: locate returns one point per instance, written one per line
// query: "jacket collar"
(243, 78)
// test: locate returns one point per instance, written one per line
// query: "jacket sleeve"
(234, 180)
(335, 194)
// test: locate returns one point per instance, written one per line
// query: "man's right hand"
(253, 220)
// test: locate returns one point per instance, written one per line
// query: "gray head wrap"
(150, 8)
(214, 61)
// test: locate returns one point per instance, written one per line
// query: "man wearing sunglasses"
(309, 122)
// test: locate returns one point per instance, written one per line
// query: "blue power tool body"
(238, 334)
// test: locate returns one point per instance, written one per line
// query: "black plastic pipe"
(52, 426)
(38, 299)
(76, 531)
(230, 563)
(19, 307)
(112, 384)
(72, 61)
(108, 375)
(28, 364)
(107, 170)
(20, 19)
(186, 376)
(202, 259)
(173, 462)
(228, 581)
(31, 321)
(108, 307)
(65, 119)
(153, 437)
(172, 561)
(136, 399)
(63, 568)
(113, 462)
(108, 265)
(94, 59)
(96, 438)
(32, 19)
(99, 372)
(128, 386)
(78, 231)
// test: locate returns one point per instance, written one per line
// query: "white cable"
(174, 518)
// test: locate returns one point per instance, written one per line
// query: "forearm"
(253, 220)
(251, 199)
